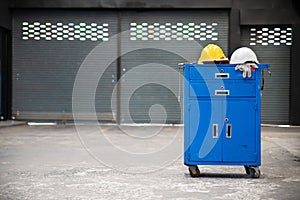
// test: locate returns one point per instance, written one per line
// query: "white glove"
(246, 69)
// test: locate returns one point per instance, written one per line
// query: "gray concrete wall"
(5, 15)
(251, 11)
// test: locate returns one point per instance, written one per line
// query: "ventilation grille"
(175, 31)
(270, 36)
(60, 31)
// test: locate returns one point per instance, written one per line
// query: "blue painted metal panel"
(240, 144)
(227, 88)
(210, 72)
(202, 130)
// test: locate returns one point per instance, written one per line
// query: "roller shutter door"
(154, 33)
(46, 58)
(272, 44)
(48, 49)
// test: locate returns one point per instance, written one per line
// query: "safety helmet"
(243, 55)
(211, 52)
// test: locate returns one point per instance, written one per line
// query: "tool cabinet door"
(240, 136)
(205, 139)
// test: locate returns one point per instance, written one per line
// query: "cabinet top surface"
(260, 66)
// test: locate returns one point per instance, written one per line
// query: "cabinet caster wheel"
(254, 172)
(247, 169)
(194, 171)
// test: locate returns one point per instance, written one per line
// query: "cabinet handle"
(221, 75)
(222, 92)
(215, 131)
(228, 130)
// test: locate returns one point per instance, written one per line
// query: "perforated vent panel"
(64, 31)
(270, 36)
(174, 31)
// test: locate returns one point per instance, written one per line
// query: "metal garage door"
(48, 49)
(145, 95)
(272, 44)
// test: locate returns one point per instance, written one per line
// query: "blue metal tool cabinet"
(222, 117)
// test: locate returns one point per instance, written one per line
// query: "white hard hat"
(243, 55)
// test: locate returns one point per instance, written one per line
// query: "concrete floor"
(62, 162)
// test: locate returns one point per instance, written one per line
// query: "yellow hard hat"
(211, 52)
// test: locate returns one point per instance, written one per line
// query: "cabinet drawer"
(229, 89)
(216, 73)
